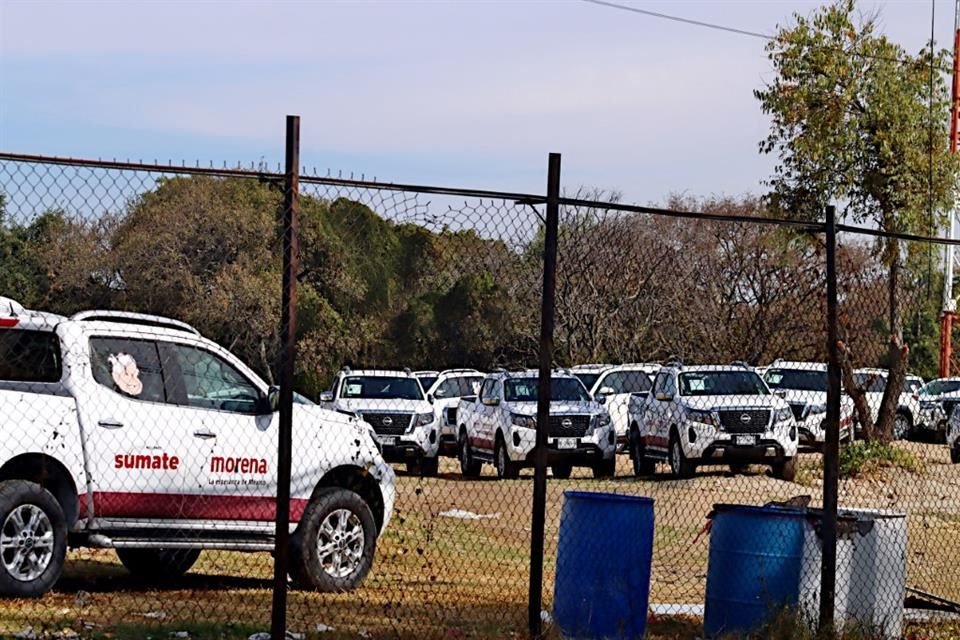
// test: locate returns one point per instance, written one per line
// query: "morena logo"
(238, 465)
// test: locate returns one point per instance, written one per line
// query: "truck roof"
(16, 315)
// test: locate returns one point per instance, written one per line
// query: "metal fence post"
(288, 321)
(543, 397)
(831, 450)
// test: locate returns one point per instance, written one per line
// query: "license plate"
(566, 443)
(387, 441)
(745, 441)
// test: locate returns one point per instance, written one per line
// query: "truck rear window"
(29, 356)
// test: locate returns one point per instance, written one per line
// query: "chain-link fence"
(145, 331)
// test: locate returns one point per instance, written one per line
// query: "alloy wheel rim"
(340, 543)
(26, 543)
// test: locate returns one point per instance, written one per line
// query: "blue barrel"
(754, 567)
(602, 584)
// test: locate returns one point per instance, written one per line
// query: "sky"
(457, 93)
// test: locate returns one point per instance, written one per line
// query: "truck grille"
(389, 423)
(798, 410)
(576, 428)
(745, 420)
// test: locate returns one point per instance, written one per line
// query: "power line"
(698, 23)
(734, 30)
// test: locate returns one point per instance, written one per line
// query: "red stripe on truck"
(114, 504)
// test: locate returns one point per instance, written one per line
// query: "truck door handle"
(110, 424)
(204, 433)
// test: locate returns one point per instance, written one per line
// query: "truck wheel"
(334, 545)
(429, 467)
(679, 465)
(562, 471)
(33, 539)
(469, 468)
(901, 426)
(158, 564)
(785, 470)
(605, 468)
(642, 466)
(507, 469)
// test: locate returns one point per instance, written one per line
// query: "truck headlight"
(423, 419)
(527, 422)
(601, 420)
(704, 417)
(783, 414)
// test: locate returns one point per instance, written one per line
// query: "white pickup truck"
(617, 383)
(804, 386)
(134, 432)
(499, 426)
(394, 402)
(444, 391)
(711, 414)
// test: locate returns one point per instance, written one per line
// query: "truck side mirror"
(600, 398)
(273, 398)
(326, 396)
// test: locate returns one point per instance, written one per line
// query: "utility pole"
(949, 304)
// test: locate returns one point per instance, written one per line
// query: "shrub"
(865, 458)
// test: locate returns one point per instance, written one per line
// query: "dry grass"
(440, 577)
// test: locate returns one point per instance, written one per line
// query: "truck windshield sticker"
(126, 374)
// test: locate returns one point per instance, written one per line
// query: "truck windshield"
(381, 388)
(588, 379)
(561, 390)
(721, 383)
(427, 381)
(940, 387)
(796, 379)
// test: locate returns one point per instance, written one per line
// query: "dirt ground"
(454, 562)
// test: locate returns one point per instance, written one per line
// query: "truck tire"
(902, 426)
(679, 465)
(469, 467)
(429, 467)
(561, 471)
(333, 547)
(642, 465)
(785, 470)
(33, 539)
(159, 565)
(507, 469)
(605, 468)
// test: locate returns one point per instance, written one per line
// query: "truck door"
(143, 460)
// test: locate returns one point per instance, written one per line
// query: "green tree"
(854, 122)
